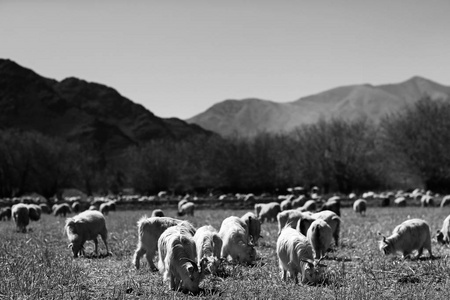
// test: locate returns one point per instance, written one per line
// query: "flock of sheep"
(186, 254)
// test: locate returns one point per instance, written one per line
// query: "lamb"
(296, 256)
(84, 227)
(20, 216)
(177, 255)
(267, 211)
(443, 235)
(61, 209)
(292, 216)
(319, 236)
(149, 231)
(157, 213)
(208, 244)
(411, 235)
(328, 216)
(253, 226)
(186, 209)
(34, 212)
(359, 206)
(5, 213)
(236, 244)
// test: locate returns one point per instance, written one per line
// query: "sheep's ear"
(438, 231)
(260, 236)
(70, 245)
(309, 262)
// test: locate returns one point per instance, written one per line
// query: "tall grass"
(38, 265)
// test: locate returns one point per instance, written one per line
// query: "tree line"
(405, 150)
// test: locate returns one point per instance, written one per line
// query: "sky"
(178, 58)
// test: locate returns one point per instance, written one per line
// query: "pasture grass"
(38, 265)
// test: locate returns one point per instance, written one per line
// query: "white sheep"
(411, 235)
(208, 244)
(309, 205)
(181, 203)
(149, 231)
(61, 209)
(427, 200)
(86, 226)
(20, 216)
(299, 202)
(177, 258)
(443, 235)
(236, 243)
(319, 236)
(253, 226)
(295, 255)
(290, 216)
(187, 209)
(400, 202)
(267, 211)
(328, 216)
(286, 204)
(445, 201)
(359, 206)
(157, 213)
(333, 204)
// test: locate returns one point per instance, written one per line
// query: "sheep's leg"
(96, 246)
(137, 257)
(283, 273)
(103, 236)
(420, 251)
(149, 256)
(172, 283)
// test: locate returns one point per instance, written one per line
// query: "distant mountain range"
(249, 117)
(77, 110)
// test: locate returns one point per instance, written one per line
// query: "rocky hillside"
(250, 116)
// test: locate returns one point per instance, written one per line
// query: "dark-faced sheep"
(445, 201)
(20, 216)
(157, 213)
(443, 235)
(359, 206)
(253, 226)
(5, 213)
(61, 209)
(333, 204)
(83, 227)
(34, 211)
(411, 235)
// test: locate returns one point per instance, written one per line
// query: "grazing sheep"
(267, 211)
(5, 213)
(253, 226)
(149, 231)
(443, 235)
(299, 202)
(177, 259)
(333, 204)
(181, 203)
(400, 202)
(427, 200)
(319, 236)
(112, 205)
(45, 208)
(236, 244)
(93, 207)
(20, 216)
(385, 202)
(61, 209)
(296, 256)
(328, 216)
(209, 245)
(76, 207)
(286, 204)
(157, 213)
(290, 216)
(34, 212)
(104, 208)
(86, 226)
(359, 206)
(187, 209)
(445, 201)
(309, 205)
(411, 235)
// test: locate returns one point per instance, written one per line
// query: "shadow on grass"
(428, 258)
(94, 256)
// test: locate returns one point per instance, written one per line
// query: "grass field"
(38, 265)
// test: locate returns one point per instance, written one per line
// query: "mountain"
(251, 116)
(81, 111)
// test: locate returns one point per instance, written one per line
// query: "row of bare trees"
(404, 150)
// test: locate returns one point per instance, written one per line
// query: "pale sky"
(178, 58)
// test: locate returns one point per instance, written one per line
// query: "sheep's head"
(313, 271)
(440, 238)
(191, 277)
(386, 246)
(209, 265)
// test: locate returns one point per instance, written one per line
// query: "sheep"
(291, 216)
(93, 207)
(333, 204)
(359, 206)
(34, 212)
(208, 244)
(76, 207)
(181, 203)
(61, 209)
(328, 216)
(45, 208)
(5, 213)
(187, 209)
(286, 204)
(400, 202)
(112, 205)
(268, 211)
(299, 202)
(319, 236)
(427, 200)
(411, 235)
(295, 255)
(309, 205)
(157, 213)
(236, 244)
(385, 202)
(149, 230)
(86, 226)
(445, 201)
(20, 216)
(253, 226)
(177, 255)
(443, 235)
(104, 208)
